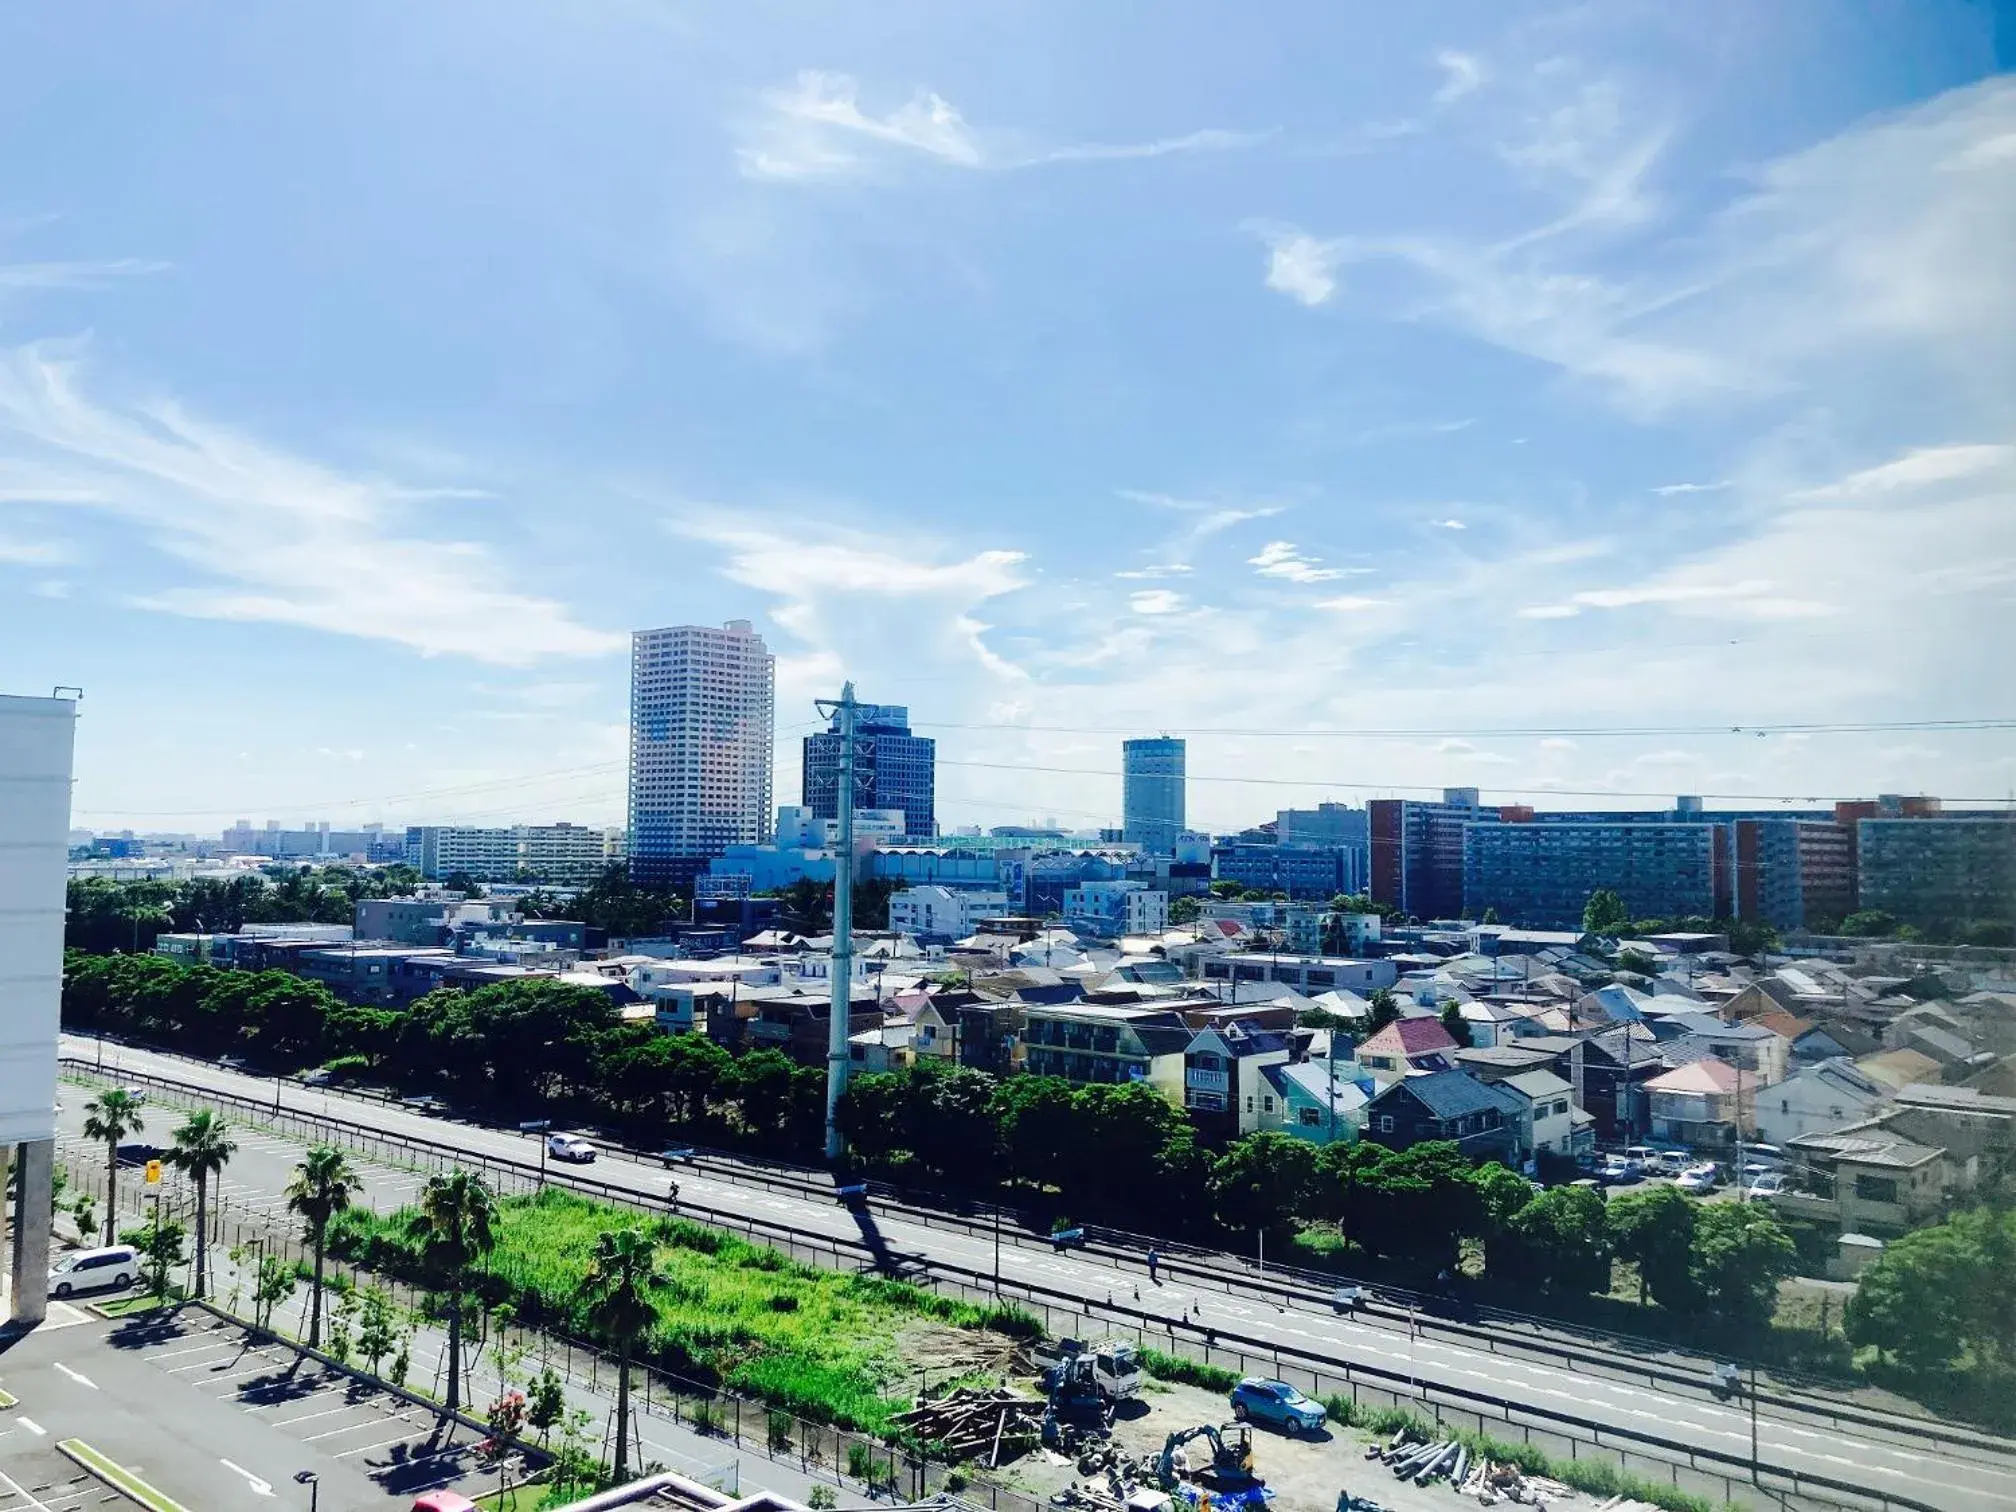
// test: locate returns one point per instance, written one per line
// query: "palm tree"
(202, 1149)
(322, 1187)
(111, 1116)
(456, 1227)
(619, 1291)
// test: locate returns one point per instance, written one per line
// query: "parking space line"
(340, 1384)
(381, 1444)
(370, 1422)
(15, 1488)
(306, 1417)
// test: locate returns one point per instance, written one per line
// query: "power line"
(1591, 732)
(1402, 787)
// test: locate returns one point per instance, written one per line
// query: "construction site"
(1086, 1426)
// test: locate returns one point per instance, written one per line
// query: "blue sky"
(367, 371)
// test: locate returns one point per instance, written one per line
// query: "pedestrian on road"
(671, 1196)
(1154, 1265)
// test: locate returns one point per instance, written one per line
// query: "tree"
(111, 1116)
(1490, 916)
(322, 1187)
(1501, 1194)
(619, 1290)
(202, 1149)
(1385, 1008)
(1417, 1203)
(546, 1404)
(377, 1327)
(160, 1244)
(1654, 1230)
(1455, 1025)
(1563, 1235)
(1604, 913)
(1184, 910)
(1263, 1182)
(1741, 1253)
(1869, 923)
(1941, 1293)
(275, 1284)
(1637, 962)
(456, 1226)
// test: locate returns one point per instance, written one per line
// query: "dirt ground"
(1305, 1474)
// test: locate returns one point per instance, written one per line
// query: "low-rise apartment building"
(1084, 1042)
(943, 913)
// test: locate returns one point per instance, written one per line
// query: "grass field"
(824, 1344)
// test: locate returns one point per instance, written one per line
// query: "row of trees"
(104, 915)
(524, 1047)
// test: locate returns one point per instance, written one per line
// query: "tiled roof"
(1705, 1075)
(1410, 1037)
(1451, 1094)
(1536, 1085)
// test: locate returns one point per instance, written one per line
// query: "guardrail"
(1180, 1334)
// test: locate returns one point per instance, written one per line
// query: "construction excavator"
(1231, 1467)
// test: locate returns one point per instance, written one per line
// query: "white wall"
(36, 737)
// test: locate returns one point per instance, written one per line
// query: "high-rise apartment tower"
(893, 769)
(702, 705)
(1152, 793)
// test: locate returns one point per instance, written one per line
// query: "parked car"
(1699, 1179)
(1770, 1184)
(442, 1501)
(677, 1155)
(1276, 1403)
(1617, 1172)
(1644, 1157)
(571, 1148)
(90, 1269)
(1673, 1162)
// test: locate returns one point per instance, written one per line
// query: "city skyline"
(1459, 373)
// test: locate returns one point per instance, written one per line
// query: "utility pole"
(842, 714)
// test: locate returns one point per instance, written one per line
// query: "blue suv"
(1278, 1403)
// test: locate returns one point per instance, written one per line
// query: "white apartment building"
(566, 855)
(1107, 910)
(946, 912)
(701, 713)
(37, 736)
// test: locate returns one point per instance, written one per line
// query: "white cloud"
(1350, 603)
(1450, 524)
(1157, 570)
(44, 276)
(272, 537)
(1155, 601)
(1916, 469)
(32, 553)
(1301, 266)
(1558, 743)
(1280, 559)
(1671, 490)
(1548, 612)
(1208, 517)
(816, 128)
(1461, 74)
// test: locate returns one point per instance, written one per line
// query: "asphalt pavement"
(1872, 1458)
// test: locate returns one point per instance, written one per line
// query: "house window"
(1310, 1118)
(1266, 1105)
(1875, 1189)
(1385, 1123)
(1249, 1102)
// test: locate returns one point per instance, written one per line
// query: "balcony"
(1206, 1081)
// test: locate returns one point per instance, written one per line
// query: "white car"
(89, 1269)
(1770, 1184)
(1697, 1180)
(571, 1148)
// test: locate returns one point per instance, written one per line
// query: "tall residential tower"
(701, 713)
(1152, 793)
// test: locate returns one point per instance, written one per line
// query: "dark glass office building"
(893, 769)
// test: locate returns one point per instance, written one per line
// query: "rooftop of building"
(1454, 1094)
(1706, 1075)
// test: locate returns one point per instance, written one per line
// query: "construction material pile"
(991, 1425)
(1424, 1462)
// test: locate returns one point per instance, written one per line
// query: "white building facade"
(37, 739)
(702, 705)
(944, 912)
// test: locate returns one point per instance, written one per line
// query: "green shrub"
(1170, 1367)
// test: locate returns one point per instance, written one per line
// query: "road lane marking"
(259, 1487)
(33, 1427)
(81, 1380)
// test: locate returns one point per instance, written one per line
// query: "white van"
(87, 1270)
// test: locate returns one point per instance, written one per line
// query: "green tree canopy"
(1654, 1230)
(1604, 913)
(1941, 1294)
(1741, 1253)
(1263, 1182)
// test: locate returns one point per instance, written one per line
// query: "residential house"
(1897, 1069)
(1318, 1101)
(1897, 1033)
(887, 1047)
(1550, 1112)
(943, 913)
(1407, 1045)
(1867, 1179)
(1699, 1103)
(1485, 1121)
(1760, 1053)
(1225, 1087)
(1825, 1041)
(1492, 1023)
(1310, 974)
(1109, 910)
(1616, 1067)
(1493, 1063)
(1093, 1042)
(1976, 1129)
(1816, 1099)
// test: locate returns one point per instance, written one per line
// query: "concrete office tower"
(1152, 793)
(36, 738)
(701, 710)
(893, 769)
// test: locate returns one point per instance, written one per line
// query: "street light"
(537, 1126)
(313, 1482)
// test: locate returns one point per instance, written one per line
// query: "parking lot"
(216, 1419)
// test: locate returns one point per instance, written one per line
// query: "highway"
(1882, 1457)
